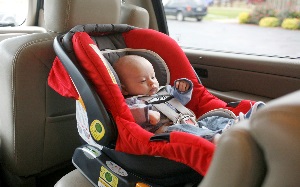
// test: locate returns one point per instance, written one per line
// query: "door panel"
(235, 76)
(9, 32)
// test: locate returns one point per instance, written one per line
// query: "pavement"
(231, 36)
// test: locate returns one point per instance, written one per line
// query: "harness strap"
(171, 107)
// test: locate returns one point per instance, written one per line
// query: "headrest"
(62, 15)
(134, 15)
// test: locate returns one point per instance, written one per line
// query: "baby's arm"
(182, 90)
(141, 112)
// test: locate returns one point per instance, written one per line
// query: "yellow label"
(105, 62)
(102, 183)
(108, 177)
(97, 130)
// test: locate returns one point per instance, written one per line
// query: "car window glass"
(195, 2)
(172, 3)
(13, 12)
(253, 27)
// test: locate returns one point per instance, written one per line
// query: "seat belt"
(170, 107)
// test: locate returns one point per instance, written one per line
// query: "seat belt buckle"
(186, 119)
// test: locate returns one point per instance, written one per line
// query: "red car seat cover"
(194, 151)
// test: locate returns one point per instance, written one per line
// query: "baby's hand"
(154, 117)
(182, 85)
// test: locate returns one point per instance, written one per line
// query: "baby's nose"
(151, 82)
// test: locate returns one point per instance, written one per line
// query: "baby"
(138, 80)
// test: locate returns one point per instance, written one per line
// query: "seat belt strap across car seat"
(170, 107)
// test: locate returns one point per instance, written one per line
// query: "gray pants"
(207, 127)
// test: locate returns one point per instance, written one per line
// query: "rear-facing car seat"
(107, 38)
(37, 125)
(147, 169)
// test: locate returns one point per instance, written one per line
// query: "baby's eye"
(153, 77)
(142, 81)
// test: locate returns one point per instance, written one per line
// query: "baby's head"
(136, 75)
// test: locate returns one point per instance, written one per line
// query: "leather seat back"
(238, 161)
(263, 151)
(276, 129)
(38, 126)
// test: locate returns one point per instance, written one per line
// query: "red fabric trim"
(60, 81)
(185, 148)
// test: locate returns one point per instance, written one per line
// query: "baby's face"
(140, 80)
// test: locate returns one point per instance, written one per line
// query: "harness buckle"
(186, 119)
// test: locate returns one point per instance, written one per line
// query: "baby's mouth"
(153, 91)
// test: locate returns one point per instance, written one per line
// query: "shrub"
(244, 17)
(291, 23)
(269, 22)
(288, 13)
(260, 12)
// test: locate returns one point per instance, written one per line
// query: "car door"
(236, 76)
(235, 63)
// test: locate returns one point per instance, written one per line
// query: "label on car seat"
(97, 130)
(91, 152)
(82, 121)
(107, 179)
(116, 168)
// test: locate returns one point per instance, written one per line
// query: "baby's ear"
(123, 90)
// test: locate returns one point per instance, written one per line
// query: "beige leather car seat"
(264, 151)
(279, 126)
(38, 127)
(238, 161)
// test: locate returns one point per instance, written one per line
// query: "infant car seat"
(118, 151)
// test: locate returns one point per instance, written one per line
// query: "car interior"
(38, 135)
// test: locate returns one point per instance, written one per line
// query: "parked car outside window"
(186, 8)
(223, 29)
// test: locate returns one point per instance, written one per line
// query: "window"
(223, 28)
(13, 12)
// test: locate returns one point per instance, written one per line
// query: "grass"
(218, 13)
